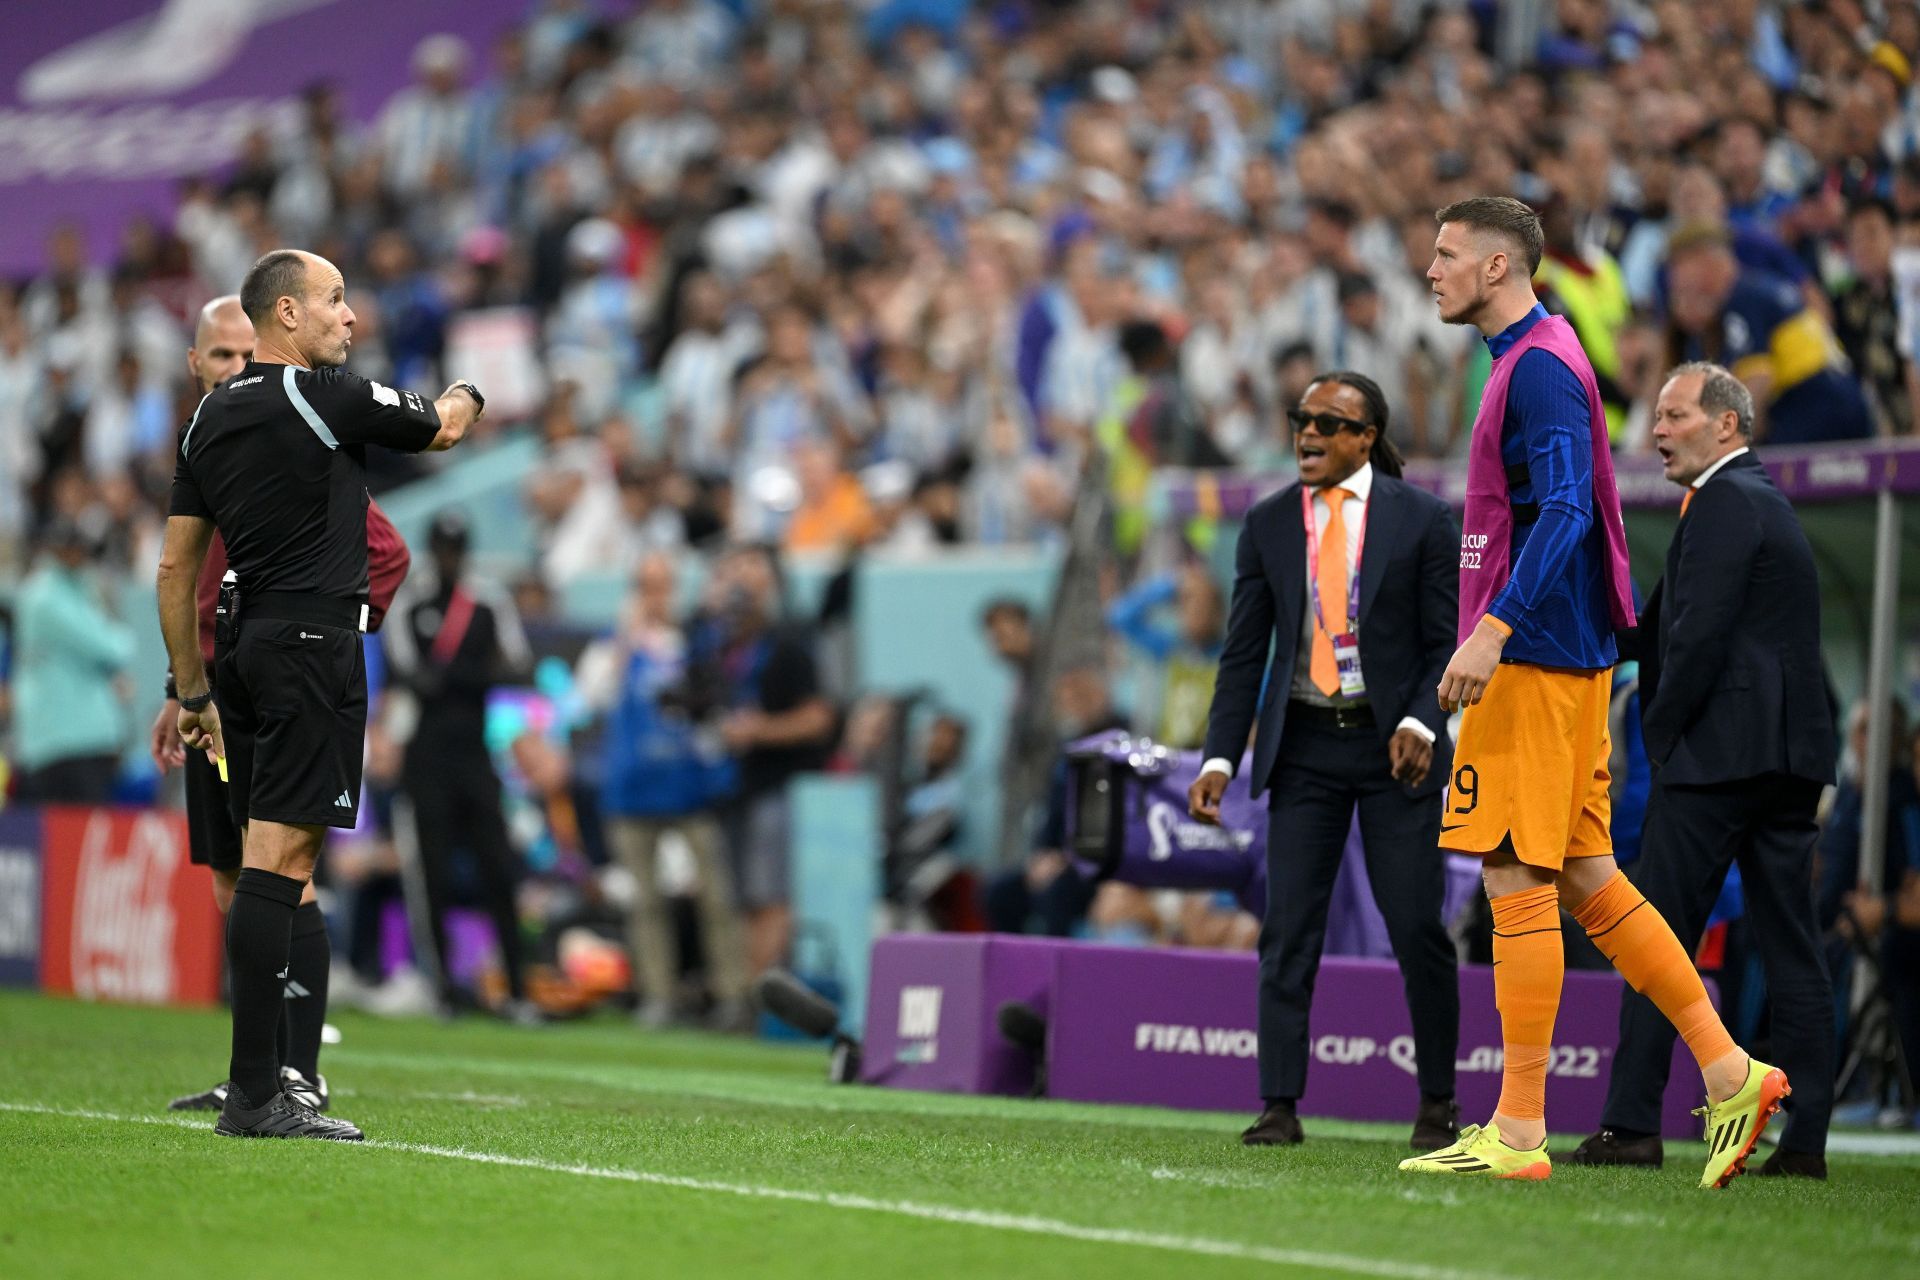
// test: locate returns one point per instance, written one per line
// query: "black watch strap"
(479, 401)
(198, 702)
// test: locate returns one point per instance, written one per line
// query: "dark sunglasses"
(1323, 424)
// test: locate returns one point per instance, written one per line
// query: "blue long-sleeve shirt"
(1556, 594)
(1133, 616)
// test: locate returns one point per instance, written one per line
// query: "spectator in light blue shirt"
(68, 725)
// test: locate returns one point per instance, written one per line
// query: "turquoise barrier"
(917, 625)
(836, 884)
(594, 599)
(486, 486)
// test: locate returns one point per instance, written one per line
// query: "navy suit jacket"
(1409, 609)
(1732, 684)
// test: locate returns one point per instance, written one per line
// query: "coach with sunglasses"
(1351, 577)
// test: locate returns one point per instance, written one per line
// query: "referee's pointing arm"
(312, 326)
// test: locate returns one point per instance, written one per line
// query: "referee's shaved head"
(222, 342)
(224, 310)
(277, 275)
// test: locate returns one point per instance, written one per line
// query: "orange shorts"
(1531, 766)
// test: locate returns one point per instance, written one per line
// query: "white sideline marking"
(467, 1095)
(1026, 1223)
(1874, 1144)
(676, 1083)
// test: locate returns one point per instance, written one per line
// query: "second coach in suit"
(1351, 578)
(1740, 735)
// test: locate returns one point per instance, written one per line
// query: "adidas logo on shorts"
(343, 802)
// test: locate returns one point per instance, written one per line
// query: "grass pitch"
(599, 1150)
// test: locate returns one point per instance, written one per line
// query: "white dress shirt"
(1353, 507)
(1709, 473)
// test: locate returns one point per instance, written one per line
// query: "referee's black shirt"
(275, 456)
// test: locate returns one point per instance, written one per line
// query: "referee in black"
(275, 459)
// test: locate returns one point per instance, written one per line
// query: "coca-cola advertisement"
(127, 916)
(20, 898)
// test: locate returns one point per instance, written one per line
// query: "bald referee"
(275, 460)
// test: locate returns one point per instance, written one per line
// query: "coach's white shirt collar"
(1708, 474)
(1359, 484)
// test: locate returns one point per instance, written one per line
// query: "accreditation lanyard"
(1313, 561)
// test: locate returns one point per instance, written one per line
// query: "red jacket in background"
(387, 564)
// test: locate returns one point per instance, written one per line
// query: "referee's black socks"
(259, 937)
(308, 963)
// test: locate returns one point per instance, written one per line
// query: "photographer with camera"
(778, 722)
(664, 773)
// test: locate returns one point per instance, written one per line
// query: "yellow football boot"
(1481, 1154)
(1735, 1125)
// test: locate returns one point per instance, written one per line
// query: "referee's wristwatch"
(479, 401)
(198, 702)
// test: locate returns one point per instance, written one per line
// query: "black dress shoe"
(1794, 1164)
(1436, 1125)
(1277, 1126)
(1612, 1147)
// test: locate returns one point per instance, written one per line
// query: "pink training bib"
(1486, 537)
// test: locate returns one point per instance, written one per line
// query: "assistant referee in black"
(275, 460)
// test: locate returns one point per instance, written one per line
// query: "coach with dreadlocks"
(1351, 577)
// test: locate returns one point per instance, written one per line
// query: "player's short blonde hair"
(1504, 216)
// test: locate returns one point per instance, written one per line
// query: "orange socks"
(1637, 940)
(1530, 967)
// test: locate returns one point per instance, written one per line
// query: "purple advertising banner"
(1160, 847)
(1176, 1028)
(1808, 473)
(932, 1006)
(21, 836)
(106, 104)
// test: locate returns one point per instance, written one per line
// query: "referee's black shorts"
(213, 839)
(293, 708)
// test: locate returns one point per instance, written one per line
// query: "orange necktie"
(1686, 498)
(1331, 574)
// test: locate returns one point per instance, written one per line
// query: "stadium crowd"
(829, 275)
